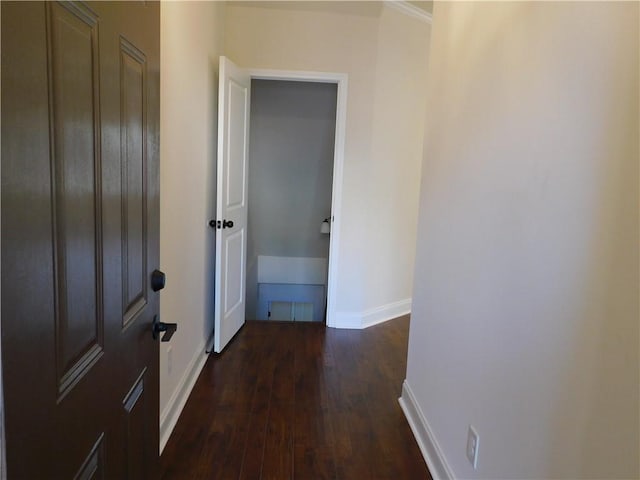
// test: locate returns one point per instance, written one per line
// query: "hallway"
(298, 400)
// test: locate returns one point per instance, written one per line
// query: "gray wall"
(290, 171)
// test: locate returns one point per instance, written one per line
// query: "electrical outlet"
(169, 359)
(473, 442)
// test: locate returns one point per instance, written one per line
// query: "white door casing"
(231, 241)
(342, 81)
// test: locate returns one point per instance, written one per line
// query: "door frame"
(341, 80)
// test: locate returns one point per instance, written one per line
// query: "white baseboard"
(372, 316)
(431, 451)
(171, 413)
(386, 312)
(346, 320)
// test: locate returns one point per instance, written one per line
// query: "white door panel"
(234, 257)
(236, 159)
(231, 211)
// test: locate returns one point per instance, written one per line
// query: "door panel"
(93, 466)
(234, 259)
(135, 444)
(236, 158)
(231, 243)
(76, 198)
(133, 81)
(80, 131)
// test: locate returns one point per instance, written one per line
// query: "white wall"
(427, 6)
(525, 316)
(344, 37)
(290, 172)
(393, 174)
(191, 42)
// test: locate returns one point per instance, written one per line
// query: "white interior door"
(231, 211)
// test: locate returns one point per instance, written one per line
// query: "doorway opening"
(232, 207)
(292, 151)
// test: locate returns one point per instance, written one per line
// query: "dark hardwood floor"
(298, 400)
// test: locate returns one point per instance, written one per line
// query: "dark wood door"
(80, 149)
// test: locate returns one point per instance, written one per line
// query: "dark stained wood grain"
(80, 391)
(298, 400)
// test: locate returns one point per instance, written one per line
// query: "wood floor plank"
(251, 467)
(299, 401)
(278, 451)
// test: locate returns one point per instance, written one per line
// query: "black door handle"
(158, 280)
(221, 224)
(168, 328)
